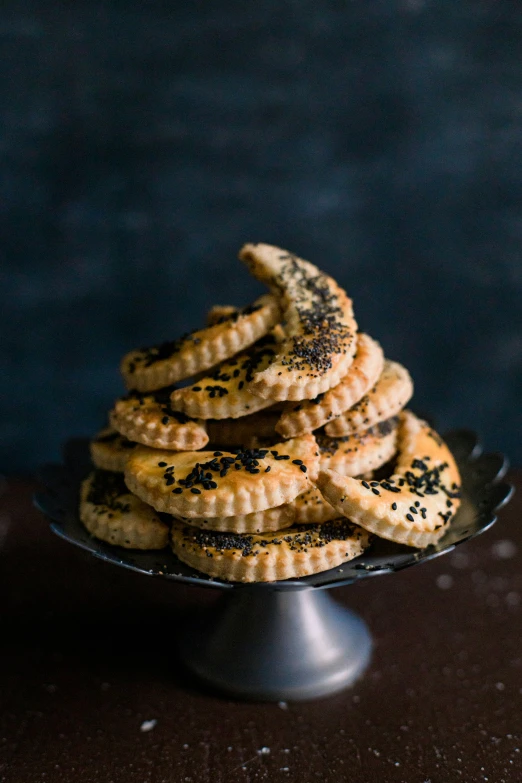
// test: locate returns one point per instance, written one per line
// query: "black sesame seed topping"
(105, 490)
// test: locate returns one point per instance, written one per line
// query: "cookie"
(258, 522)
(224, 393)
(222, 484)
(111, 513)
(310, 507)
(292, 553)
(416, 503)
(387, 398)
(319, 327)
(153, 368)
(149, 419)
(109, 450)
(361, 452)
(363, 373)
(248, 431)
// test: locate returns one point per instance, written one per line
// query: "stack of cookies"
(272, 443)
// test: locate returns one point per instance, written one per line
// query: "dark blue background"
(142, 143)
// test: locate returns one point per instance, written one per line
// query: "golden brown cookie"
(149, 419)
(311, 508)
(319, 327)
(224, 393)
(153, 368)
(415, 504)
(292, 553)
(222, 484)
(257, 522)
(363, 373)
(361, 452)
(109, 450)
(387, 398)
(111, 513)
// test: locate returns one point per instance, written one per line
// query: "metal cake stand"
(281, 640)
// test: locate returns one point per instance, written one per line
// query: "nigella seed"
(303, 468)
(162, 464)
(375, 491)
(394, 506)
(195, 491)
(297, 462)
(268, 469)
(177, 491)
(365, 484)
(165, 420)
(409, 517)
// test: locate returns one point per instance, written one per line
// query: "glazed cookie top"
(319, 327)
(220, 484)
(421, 495)
(161, 365)
(224, 392)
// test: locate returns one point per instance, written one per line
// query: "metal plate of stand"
(281, 640)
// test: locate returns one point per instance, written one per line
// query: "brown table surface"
(88, 656)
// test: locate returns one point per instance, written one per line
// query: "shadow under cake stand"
(281, 640)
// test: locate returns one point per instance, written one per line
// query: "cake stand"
(280, 640)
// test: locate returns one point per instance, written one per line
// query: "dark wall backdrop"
(142, 143)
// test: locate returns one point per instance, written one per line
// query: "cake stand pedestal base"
(277, 644)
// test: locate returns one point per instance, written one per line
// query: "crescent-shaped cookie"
(363, 373)
(387, 398)
(319, 327)
(415, 504)
(353, 455)
(162, 365)
(109, 450)
(257, 522)
(149, 419)
(224, 393)
(113, 514)
(295, 552)
(311, 508)
(222, 484)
